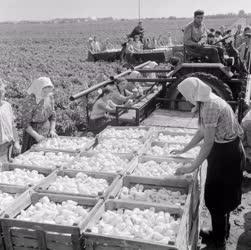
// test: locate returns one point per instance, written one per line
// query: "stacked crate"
(116, 167)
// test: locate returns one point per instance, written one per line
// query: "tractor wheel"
(219, 88)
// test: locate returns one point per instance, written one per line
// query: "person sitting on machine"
(195, 38)
(240, 39)
(137, 45)
(138, 31)
(210, 39)
(99, 116)
(115, 95)
(245, 51)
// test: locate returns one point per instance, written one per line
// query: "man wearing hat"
(138, 30)
(195, 38)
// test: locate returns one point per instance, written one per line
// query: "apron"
(224, 177)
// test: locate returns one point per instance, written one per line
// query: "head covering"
(37, 86)
(135, 74)
(195, 90)
(90, 39)
(152, 64)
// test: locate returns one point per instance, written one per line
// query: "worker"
(240, 39)
(220, 132)
(195, 38)
(102, 107)
(246, 125)
(245, 52)
(38, 113)
(8, 131)
(133, 88)
(218, 37)
(137, 44)
(115, 95)
(210, 39)
(96, 45)
(91, 47)
(138, 30)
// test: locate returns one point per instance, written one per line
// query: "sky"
(16, 10)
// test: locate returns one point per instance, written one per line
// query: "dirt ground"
(240, 233)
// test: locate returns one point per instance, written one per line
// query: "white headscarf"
(195, 90)
(135, 74)
(37, 86)
(152, 64)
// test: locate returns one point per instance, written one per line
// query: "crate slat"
(110, 178)
(102, 242)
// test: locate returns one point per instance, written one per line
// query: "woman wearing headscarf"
(133, 87)
(39, 117)
(8, 131)
(220, 132)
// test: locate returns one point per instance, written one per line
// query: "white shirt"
(6, 123)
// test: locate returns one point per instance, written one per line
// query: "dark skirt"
(41, 128)
(224, 177)
(28, 142)
(98, 124)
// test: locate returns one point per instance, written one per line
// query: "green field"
(59, 51)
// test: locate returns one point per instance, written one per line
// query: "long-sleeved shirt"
(194, 34)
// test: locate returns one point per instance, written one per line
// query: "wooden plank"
(24, 242)
(100, 241)
(10, 223)
(23, 248)
(58, 246)
(41, 170)
(21, 203)
(12, 189)
(113, 205)
(59, 198)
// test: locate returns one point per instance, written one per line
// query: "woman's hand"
(184, 170)
(17, 148)
(39, 138)
(53, 134)
(178, 151)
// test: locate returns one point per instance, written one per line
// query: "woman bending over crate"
(39, 117)
(8, 131)
(223, 150)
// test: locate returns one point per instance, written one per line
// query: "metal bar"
(179, 100)
(159, 80)
(104, 83)
(154, 70)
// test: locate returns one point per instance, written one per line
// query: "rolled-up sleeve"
(210, 116)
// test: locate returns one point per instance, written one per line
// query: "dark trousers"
(220, 226)
(210, 52)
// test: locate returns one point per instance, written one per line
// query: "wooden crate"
(157, 133)
(180, 185)
(9, 167)
(131, 161)
(113, 242)
(38, 147)
(110, 178)
(11, 190)
(148, 129)
(170, 178)
(165, 146)
(177, 130)
(24, 235)
(12, 164)
(140, 150)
